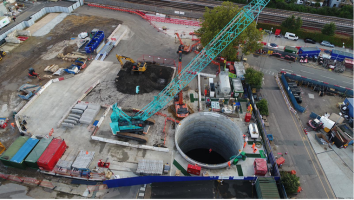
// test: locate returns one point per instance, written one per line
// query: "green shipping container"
(31, 160)
(291, 49)
(12, 150)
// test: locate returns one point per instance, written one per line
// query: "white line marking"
(266, 71)
(272, 73)
(328, 77)
(347, 82)
(287, 70)
(306, 72)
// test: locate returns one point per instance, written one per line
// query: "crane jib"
(232, 30)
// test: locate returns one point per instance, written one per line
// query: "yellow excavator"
(137, 66)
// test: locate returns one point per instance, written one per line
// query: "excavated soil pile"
(148, 81)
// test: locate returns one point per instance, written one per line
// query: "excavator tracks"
(133, 136)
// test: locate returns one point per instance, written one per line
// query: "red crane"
(181, 108)
(184, 48)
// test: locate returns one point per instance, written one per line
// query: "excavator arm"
(119, 58)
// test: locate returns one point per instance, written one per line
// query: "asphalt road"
(289, 137)
(271, 65)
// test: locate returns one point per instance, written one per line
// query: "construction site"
(120, 97)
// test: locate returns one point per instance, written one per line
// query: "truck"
(290, 49)
(340, 55)
(309, 51)
(348, 63)
(4, 21)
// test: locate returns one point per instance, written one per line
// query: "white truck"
(291, 36)
(4, 21)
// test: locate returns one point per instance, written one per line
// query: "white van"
(253, 130)
(291, 36)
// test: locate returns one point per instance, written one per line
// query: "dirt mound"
(149, 81)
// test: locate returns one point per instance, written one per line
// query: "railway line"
(313, 21)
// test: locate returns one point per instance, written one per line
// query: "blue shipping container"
(95, 41)
(350, 101)
(309, 51)
(23, 152)
(340, 55)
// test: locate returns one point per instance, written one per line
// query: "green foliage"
(317, 4)
(318, 36)
(345, 12)
(254, 78)
(262, 106)
(216, 19)
(329, 29)
(290, 181)
(292, 23)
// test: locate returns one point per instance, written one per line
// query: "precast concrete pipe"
(209, 130)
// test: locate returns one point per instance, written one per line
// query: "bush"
(262, 106)
(290, 181)
(318, 36)
(254, 78)
(329, 29)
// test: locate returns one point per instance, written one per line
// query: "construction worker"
(31, 72)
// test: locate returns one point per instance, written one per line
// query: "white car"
(291, 36)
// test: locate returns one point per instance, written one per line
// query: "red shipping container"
(248, 117)
(51, 155)
(194, 169)
(260, 167)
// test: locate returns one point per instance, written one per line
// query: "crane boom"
(233, 29)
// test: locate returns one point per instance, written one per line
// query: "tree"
(292, 23)
(290, 181)
(262, 106)
(329, 29)
(216, 19)
(317, 4)
(254, 78)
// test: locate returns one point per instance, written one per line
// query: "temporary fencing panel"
(51, 155)
(18, 159)
(290, 94)
(12, 150)
(31, 160)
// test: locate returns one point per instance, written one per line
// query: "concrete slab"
(317, 147)
(56, 100)
(346, 155)
(39, 24)
(339, 176)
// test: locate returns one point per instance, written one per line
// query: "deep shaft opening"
(206, 156)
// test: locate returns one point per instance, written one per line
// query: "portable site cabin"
(12, 150)
(31, 160)
(237, 87)
(18, 159)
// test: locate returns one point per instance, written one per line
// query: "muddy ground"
(38, 53)
(147, 81)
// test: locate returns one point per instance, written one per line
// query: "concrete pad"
(44, 30)
(57, 99)
(346, 155)
(182, 30)
(311, 96)
(62, 187)
(8, 47)
(340, 179)
(39, 24)
(317, 147)
(13, 191)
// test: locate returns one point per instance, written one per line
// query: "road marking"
(328, 77)
(306, 72)
(315, 156)
(347, 82)
(266, 71)
(287, 70)
(272, 73)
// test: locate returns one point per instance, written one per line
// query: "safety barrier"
(291, 96)
(284, 95)
(341, 89)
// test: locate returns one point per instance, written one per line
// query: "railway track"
(268, 15)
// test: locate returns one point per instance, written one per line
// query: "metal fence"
(151, 8)
(291, 96)
(32, 19)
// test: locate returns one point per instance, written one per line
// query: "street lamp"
(343, 46)
(270, 34)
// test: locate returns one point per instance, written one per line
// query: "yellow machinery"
(137, 66)
(2, 148)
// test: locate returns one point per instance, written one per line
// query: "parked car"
(268, 31)
(291, 36)
(309, 40)
(273, 45)
(327, 44)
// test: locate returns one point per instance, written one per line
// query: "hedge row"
(318, 36)
(345, 12)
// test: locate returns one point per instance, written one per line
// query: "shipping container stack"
(31, 160)
(51, 155)
(12, 150)
(18, 159)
